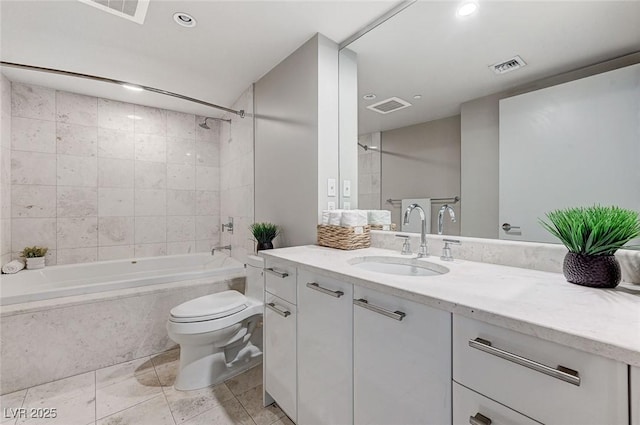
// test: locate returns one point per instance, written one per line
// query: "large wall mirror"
(555, 123)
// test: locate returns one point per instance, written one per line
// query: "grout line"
(164, 394)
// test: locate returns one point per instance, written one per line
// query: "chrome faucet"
(228, 226)
(452, 214)
(423, 251)
(213, 250)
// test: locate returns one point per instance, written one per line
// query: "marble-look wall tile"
(150, 147)
(150, 249)
(207, 178)
(115, 202)
(77, 255)
(150, 230)
(181, 202)
(29, 101)
(5, 240)
(33, 231)
(33, 135)
(180, 151)
(207, 153)
(118, 252)
(115, 115)
(181, 125)
(181, 229)
(150, 202)
(77, 171)
(76, 109)
(115, 231)
(76, 233)
(113, 143)
(151, 120)
(181, 177)
(150, 175)
(207, 227)
(33, 201)
(115, 172)
(177, 248)
(33, 168)
(73, 139)
(207, 202)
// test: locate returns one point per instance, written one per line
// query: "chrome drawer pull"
(563, 373)
(284, 313)
(395, 315)
(277, 273)
(319, 288)
(479, 419)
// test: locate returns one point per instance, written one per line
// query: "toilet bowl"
(215, 332)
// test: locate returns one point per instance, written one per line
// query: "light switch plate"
(331, 205)
(331, 187)
(346, 188)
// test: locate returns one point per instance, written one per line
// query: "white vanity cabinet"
(401, 361)
(634, 395)
(280, 372)
(548, 382)
(324, 350)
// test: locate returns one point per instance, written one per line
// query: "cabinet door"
(634, 395)
(324, 351)
(280, 353)
(401, 361)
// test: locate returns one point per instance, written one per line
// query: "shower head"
(204, 123)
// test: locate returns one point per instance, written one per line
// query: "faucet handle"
(406, 246)
(446, 251)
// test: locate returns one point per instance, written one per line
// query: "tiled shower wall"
(96, 179)
(237, 177)
(369, 170)
(5, 170)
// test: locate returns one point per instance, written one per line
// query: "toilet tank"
(255, 278)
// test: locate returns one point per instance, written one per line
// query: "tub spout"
(213, 250)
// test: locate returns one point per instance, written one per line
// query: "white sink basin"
(398, 266)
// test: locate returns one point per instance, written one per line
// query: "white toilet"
(214, 332)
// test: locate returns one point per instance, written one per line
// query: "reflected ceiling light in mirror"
(467, 8)
(369, 96)
(132, 87)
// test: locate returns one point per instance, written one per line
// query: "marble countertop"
(605, 322)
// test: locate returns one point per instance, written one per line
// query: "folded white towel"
(335, 216)
(325, 216)
(380, 217)
(353, 218)
(13, 267)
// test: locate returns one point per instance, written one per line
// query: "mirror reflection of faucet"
(406, 246)
(452, 215)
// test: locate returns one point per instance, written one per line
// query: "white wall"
(296, 146)
(369, 169)
(5, 170)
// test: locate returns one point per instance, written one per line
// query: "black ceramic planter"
(597, 271)
(264, 245)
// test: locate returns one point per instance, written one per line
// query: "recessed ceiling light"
(132, 87)
(467, 8)
(369, 96)
(417, 96)
(184, 19)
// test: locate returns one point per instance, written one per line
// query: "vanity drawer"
(517, 370)
(280, 280)
(469, 407)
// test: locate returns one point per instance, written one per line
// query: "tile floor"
(140, 392)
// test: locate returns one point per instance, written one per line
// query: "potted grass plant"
(264, 234)
(593, 235)
(34, 256)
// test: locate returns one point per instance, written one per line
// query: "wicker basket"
(391, 227)
(344, 237)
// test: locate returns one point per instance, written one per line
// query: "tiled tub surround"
(536, 303)
(47, 340)
(96, 179)
(5, 170)
(527, 255)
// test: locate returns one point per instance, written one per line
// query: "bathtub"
(79, 279)
(62, 321)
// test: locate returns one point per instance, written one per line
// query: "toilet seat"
(209, 307)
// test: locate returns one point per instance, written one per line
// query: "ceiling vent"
(512, 64)
(389, 105)
(133, 10)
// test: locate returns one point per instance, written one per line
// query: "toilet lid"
(209, 307)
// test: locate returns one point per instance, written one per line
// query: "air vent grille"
(509, 65)
(133, 10)
(389, 105)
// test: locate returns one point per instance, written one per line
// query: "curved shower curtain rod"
(240, 113)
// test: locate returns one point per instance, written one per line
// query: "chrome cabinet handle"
(563, 373)
(285, 313)
(277, 273)
(395, 315)
(479, 419)
(315, 286)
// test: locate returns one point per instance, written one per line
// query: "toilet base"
(203, 366)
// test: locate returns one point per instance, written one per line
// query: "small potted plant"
(593, 235)
(264, 234)
(34, 256)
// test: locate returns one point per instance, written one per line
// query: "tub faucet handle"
(406, 246)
